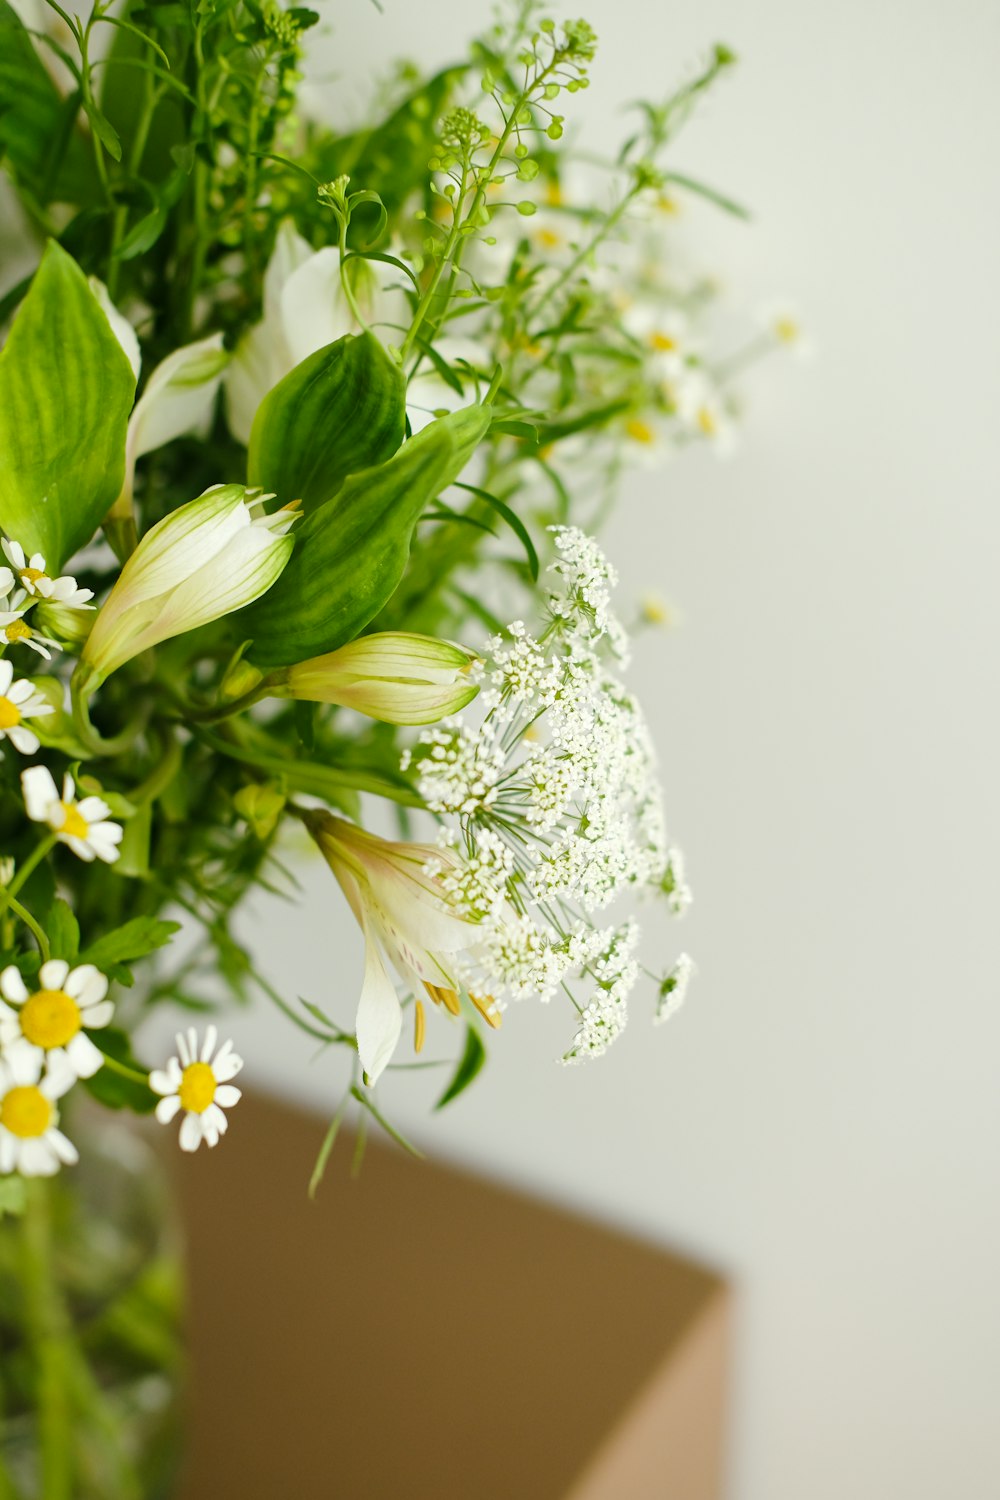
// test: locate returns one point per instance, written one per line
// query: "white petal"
(208, 1046)
(8, 1151)
(226, 1094)
(191, 1133)
(12, 985)
(38, 1158)
(87, 985)
(93, 809)
(62, 1146)
(178, 397)
(39, 792)
(167, 1108)
(120, 326)
(255, 368)
(80, 847)
(380, 1017)
(6, 670)
(60, 1074)
(314, 310)
(22, 739)
(227, 1064)
(24, 1062)
(96, 1016)
(53, 974)
(183, 1050)
(85, 1057)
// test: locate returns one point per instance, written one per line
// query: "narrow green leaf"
(712, 194)
(133, 940)
(63, 930)
(342, 409)
(469, 1065)
(365, 1101)
(66, 390)
(514, 521)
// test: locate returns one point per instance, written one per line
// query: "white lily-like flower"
(83, 825)
(178, 398)
(53, 1020)
(304, 310)
(120, 325)
(30, 1139)
(198, 1083)
(204, 560)
(19, 701)
(406, 919)
(395, 676)
(33, 578)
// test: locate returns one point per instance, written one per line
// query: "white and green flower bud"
(204, 560)
(64, 623)
(394, 676)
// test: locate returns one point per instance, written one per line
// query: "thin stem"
(49, 1339)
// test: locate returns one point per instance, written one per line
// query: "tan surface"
(419, 1332)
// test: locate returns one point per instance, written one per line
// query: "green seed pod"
(341, 410)
(351, 552)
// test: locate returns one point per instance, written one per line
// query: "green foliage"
(121, 1082)
(117, 950)
(470, 1064)
(351, 552)
(341, 410)
(66, 390)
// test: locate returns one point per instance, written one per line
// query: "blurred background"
(822, 1119)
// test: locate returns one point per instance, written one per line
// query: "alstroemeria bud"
(394, 676)
(204, 560)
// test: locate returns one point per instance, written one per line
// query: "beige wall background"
(823, 1117)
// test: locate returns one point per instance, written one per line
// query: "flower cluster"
(550, 799)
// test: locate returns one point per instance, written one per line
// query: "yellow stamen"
(707, 422)
(640, 431)
(786, 330)
(442, 996)
(549, 239)
(74, 824)
(50, 1018)
(553, 195)
(197, 1090)
(10, 714)
(487, 1008)
(17, 631)
(418, 1026)
(32, 575)
(667, 205)
(662, 343)
(26, 1112)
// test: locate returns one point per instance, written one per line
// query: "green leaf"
(469, 1065)
(351, 553)
(112, 952)
(515, 523)
(720, 200)
(63, 931)
(104, 130)
(341, 410)
(66, 390)
(36, 124)
(112, 1088)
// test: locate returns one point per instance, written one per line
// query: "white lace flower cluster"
(25, 582)
(550, 793)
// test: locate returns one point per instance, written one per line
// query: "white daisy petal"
(167, 1108)
(86, 984)
(96, 1016)
(227, 1095)
(191, 1133)
(53, 974)
(12, 985)
(62, 1146)
(84, 1056)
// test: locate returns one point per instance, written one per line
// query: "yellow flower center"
(787, 330)
(26, 1112)
(707, 422)
(197, 1090)
(549, 240)
(74, 824)
(10, 714)
(640, 431)
(32, 575)
(553, 195)
(662, 343)
(50, 1018)
(17, 631)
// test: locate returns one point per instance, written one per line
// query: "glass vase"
(91, 1326)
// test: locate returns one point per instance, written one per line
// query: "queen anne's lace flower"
(52, 1020)
(550, 798)
(198, 1083)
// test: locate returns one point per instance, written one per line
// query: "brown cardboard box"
(421, 1333)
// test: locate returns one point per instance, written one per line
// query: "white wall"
(823, 1117)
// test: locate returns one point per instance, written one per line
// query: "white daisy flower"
(84, 826)
(34, 579)
(52, 1021)
(19, 701)
(195, 1082)
(30, 1141)
(782, 322)
(15, 630)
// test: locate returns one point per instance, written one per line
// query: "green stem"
(49, 1340)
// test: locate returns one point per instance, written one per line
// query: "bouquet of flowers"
(304, 436)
